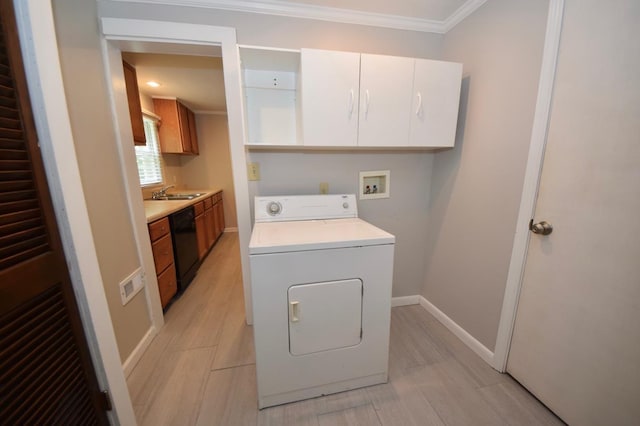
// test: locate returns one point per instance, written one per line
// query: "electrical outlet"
(131, 285)
(324, 187)
(253, 171)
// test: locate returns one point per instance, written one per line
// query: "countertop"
(157, 209)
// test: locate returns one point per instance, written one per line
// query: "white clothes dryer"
(321, 288)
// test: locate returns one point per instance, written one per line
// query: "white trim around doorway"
(117, 30)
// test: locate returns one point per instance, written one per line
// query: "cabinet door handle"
(366, 103)
(419, 108)
(351, 101)
(293, 312)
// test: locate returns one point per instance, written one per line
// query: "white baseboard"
(460, 332)
(139, 350)
(231, 229)
(405, 300)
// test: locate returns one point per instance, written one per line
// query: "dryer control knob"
(345, 205)
(274, 208)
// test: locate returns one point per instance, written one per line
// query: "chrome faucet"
(162, 193)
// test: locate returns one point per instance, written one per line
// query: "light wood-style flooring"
(200, 370)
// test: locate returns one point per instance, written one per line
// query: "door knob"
(541, 228)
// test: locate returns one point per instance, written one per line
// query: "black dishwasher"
(185, 245)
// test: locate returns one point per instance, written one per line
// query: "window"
(148, 156)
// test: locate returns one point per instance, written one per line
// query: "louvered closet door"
(46, 375)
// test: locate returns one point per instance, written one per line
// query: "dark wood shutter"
(46, 373)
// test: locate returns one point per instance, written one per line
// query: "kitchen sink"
(178, 196)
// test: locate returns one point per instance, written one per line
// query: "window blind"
(148, 156)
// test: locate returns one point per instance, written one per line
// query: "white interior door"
(576, 341)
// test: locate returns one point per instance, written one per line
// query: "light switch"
(324, 187)
(253, 171)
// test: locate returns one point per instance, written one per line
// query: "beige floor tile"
(363, 415)
(230, 397)
(235, 346)
(175, 399)
(400, 403)
(516, 405)
(453, 395)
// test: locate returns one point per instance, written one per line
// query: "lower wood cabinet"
(167, 284)
(218, 212)
(162, 247)
(201, 230)
(209, 215)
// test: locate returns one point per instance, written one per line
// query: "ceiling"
(196, 78)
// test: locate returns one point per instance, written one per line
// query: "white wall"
(476, 187)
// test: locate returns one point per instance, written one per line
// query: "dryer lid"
(282, 237)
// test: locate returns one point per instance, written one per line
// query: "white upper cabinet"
(322, 98)
(329, 91)
(386, 84)
(436, 96)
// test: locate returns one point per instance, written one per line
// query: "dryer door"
(324, 316)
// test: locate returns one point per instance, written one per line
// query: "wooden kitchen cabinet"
(211, 222)
(201, 230)
(218, 211)
(209, 219)
(193, 132)
(177, 132)
(135, 107)
(162, 247)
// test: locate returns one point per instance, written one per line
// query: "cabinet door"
(169, 130)
(210, 223)
(193, 134)
(386, 84)
(329, 90)
(201, 234)
(221, 221)
(135, 108)
(167, 285)
(185, 131)
(436, 96)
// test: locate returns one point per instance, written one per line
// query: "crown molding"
(330, 14)
(463, 12)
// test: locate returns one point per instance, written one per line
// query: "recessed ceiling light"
(153, 84)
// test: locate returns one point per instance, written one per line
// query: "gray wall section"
(403, 214)
(476, 187)
(99, 164)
